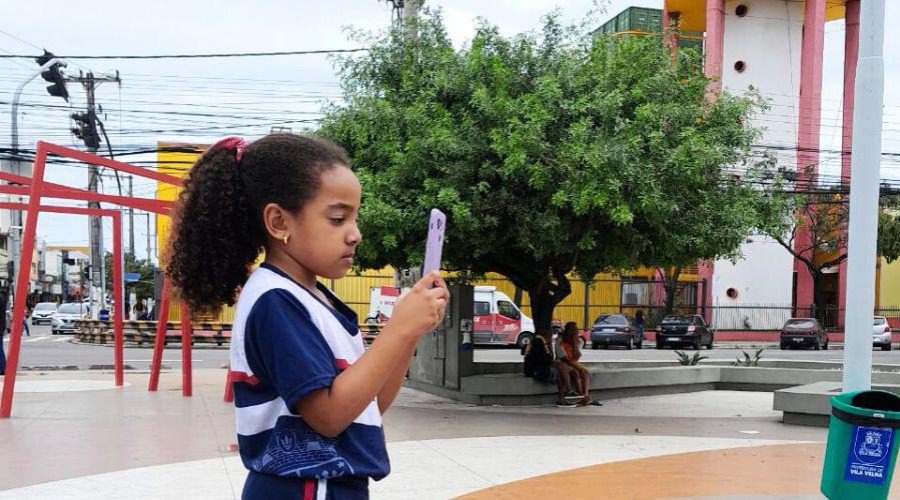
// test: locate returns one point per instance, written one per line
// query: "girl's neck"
(292, 268)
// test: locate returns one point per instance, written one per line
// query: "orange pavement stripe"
(763, 470)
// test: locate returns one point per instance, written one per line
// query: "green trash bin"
(861, 453)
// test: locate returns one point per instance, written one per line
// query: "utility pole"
(405, 13)
(410, 12)
(131, 219)
(864, 174)
(87, 131)
(148, 238)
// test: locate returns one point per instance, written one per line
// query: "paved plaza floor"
(74, 435)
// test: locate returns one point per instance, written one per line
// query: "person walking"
(3, 302)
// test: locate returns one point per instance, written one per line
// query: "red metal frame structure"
(117, 277)
(36, 188)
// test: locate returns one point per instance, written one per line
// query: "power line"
(194, 56)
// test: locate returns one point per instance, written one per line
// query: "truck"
(497, 320)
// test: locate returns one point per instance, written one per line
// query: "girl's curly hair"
(218, 230)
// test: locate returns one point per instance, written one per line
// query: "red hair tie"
(235, 144)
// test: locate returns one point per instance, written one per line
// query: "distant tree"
(823, 218)
(143, 288)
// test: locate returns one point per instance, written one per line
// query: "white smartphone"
(435, 244)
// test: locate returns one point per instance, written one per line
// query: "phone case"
(435, 243)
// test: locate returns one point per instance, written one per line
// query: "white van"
(497, 320)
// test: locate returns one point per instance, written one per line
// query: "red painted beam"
(160, 207)
(58, 150)
(18, 316)
(162, 319)
(186, 334)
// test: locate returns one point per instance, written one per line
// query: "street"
(42, 349)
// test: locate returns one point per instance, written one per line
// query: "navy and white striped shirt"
(286, 343)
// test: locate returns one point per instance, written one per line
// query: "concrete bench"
(515, 389)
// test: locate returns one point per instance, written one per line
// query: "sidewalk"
(73, 435)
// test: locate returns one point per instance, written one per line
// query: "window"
(482, 309)
(611, 319)
(678, 320)
(71, 308)
(507, 309)
(880, 321)
(635, 293)
(801, 323)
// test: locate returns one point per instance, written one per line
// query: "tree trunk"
(517, 298)
(819, 298)
(671, 289)
(542, 305)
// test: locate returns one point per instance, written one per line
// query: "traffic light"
(86, 129)
(57, 87)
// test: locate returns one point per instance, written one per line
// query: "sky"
(200, 100)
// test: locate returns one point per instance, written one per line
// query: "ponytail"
(214, 240)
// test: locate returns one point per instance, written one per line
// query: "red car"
(803, 332)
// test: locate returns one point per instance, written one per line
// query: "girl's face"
(323, 234)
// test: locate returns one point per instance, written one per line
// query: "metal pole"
(15, 216)
(18, 316)
(187, 334)
(119, 298)
(865, 168)
(131, 220)
(159, 343)
(148, 238)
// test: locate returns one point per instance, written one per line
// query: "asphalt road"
(42, 349)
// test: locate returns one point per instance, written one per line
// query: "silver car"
(881, 333)
(43, 313)
(64, 319)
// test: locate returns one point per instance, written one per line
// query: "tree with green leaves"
(143, 288)
(813, 227)
(551, 153)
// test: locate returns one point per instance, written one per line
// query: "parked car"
(63, 320)
(684, 329)
(43, 313)
(881, 333)
(803, 332)
(615, 329)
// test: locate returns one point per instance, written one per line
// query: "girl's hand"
(421, 309)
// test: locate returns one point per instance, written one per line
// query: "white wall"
(768, 41)
(52, 262)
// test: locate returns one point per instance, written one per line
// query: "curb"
(54, 368)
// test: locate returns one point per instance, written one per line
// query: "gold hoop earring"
(286, 238)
